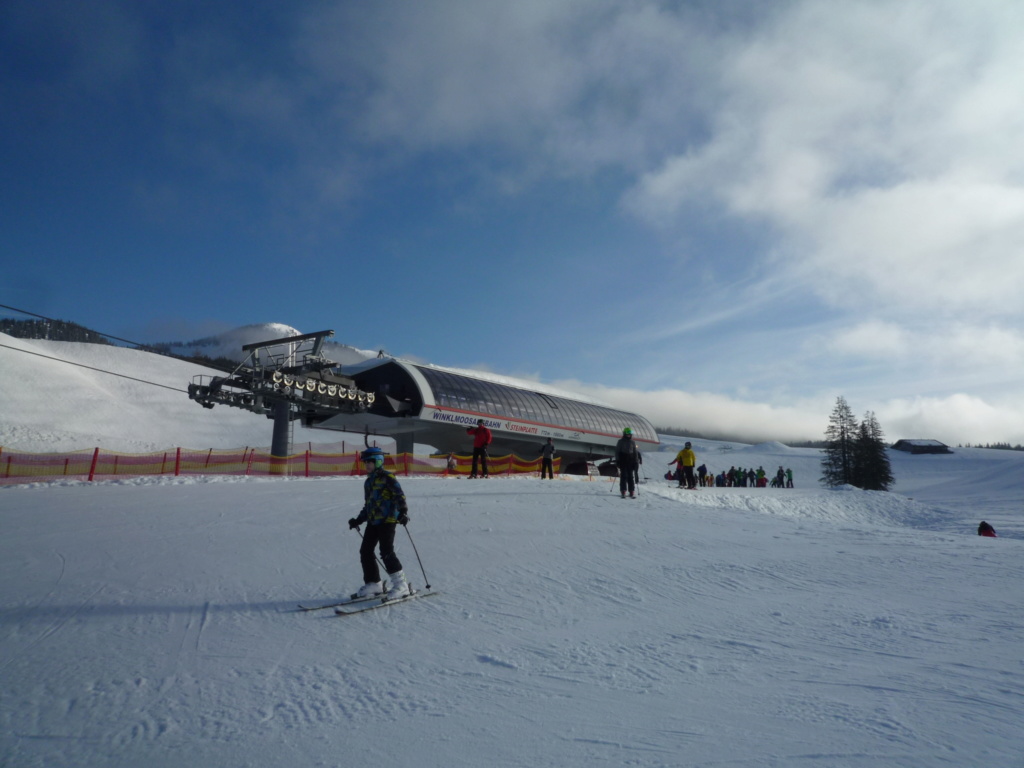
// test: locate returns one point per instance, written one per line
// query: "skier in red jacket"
(481, 439)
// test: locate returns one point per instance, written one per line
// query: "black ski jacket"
(626, 453)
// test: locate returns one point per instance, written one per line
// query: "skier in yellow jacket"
(686, 459)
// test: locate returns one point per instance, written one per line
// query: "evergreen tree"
(839, 460)
(873, 470)
(52, 330)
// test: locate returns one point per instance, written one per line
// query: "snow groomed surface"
(153, 622)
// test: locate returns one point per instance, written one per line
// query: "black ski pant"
(481, 455)
(691, 481)
(384, 535)
(627, 479)
(546, 469)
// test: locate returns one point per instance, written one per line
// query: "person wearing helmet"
(384, 506)
(686, 459)
(626, 459)
(481, 439)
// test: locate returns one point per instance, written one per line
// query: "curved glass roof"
(464, 393)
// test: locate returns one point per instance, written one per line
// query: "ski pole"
(417, 555)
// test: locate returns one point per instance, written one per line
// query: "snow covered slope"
(151, 622)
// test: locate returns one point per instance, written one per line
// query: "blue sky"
(724, 214)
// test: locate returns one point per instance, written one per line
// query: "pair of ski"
(356, 604)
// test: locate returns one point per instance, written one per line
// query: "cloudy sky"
(722, 214)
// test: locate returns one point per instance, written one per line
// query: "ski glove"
(353, 523)
(403, 519)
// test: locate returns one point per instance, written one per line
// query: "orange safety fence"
(97, 464)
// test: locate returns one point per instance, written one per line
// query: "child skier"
(384, 506)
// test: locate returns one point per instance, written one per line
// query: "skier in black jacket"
(626, 459)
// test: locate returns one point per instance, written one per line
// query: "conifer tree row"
(52, 330)
(855, 454)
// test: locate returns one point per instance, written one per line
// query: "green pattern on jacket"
(384, 500)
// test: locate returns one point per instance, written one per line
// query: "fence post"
(177, 462)
(95, 458)
(307, 462)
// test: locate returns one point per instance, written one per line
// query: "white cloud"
(878, 141)
(957, 347)
(940, 246)
(881, 141)
(872, 339)
(873, 145)
(565, 87)
(955, 419)
(714, 414)
(431, 74)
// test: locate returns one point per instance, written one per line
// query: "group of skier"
(754, 478)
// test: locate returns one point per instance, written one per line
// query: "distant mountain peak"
(229, 344)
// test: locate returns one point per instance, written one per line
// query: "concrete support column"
(404, 443)
(280, 445)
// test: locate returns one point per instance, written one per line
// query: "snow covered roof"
(919, 445)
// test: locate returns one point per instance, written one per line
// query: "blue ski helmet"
(374, 454)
